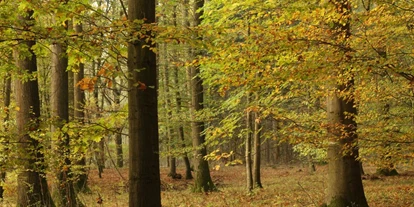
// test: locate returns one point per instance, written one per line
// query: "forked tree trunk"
(144, 169)
(32, 188)
(344, 176)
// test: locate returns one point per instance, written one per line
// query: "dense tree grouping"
(144, 83)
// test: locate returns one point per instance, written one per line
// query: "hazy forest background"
(207, 103)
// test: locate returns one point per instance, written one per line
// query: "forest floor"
(282, 186)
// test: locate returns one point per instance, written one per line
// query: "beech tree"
(202, 178)
(60, 113)
(32, 186)
(144, 169)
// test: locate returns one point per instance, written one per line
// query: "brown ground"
(283, 186)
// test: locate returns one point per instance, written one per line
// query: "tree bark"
(248, 145)
(144, 169)
(203, 181)
(32, 188)
(180, 128)
(79, 114)
(344, 176)
(7, 93)
(257, 151)
(118, 135)
(60, 113)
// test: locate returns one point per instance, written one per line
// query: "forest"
(149, 103)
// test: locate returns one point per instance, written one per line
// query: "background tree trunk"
(60, 113)
(180, 128)
(118, 135)
(7, 94)
(248, 145)
(79, 114)
(257, 151)
(144, 169)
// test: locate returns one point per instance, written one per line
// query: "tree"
(32, 189)
(257, 149)
(144, 172)
(344, 177)
(7, 93)
(203, 181)
(60, 113)
(248, 152)
(79, 114)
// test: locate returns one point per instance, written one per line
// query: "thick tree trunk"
(203, 181)
(248, 145)
(32, 188)
(60, 113)
(257, 151)
(144, 169)
(344, 176)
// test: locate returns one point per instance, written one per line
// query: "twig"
(304, 190)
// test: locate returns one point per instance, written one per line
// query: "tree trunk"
(79, 103)
(60, 113)
(32, 188)
(144, 169)
(257, 151)
(203, 181)
(118, 135)
(7, 93)
(249, 174)
(344, 176)
(180, 130)
(167, 106)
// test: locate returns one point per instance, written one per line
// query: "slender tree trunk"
(118, 135)
(32, 188)
(257, 151)
(7, 93)
(344, 176)
(79, 114)
(99, 146)
(144, 169)
(248, 145)
(185, 23)
(167, 106)
(180, 128)
(387, 167)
